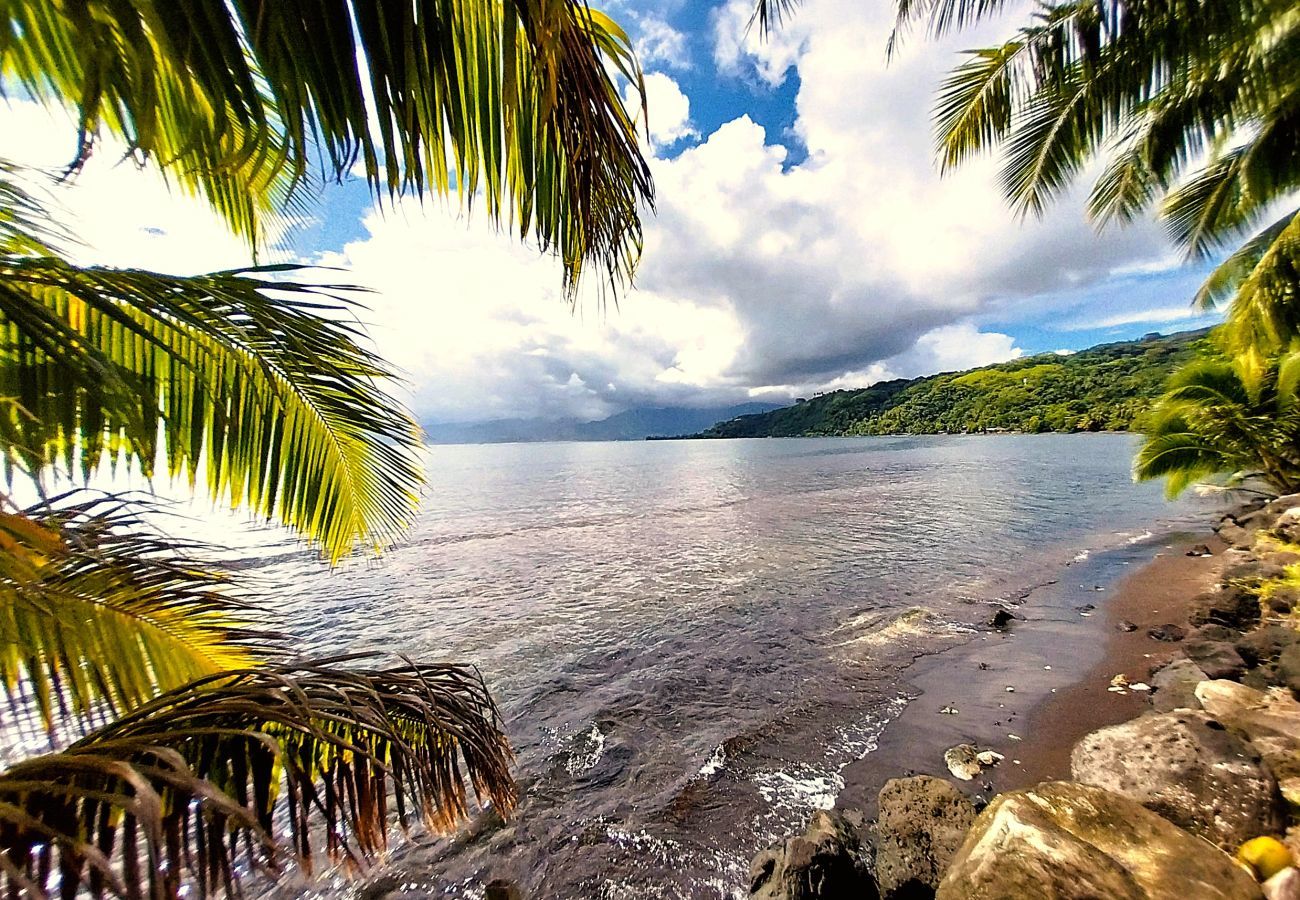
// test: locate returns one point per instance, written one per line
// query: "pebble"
(1010, 689)
(948, 711)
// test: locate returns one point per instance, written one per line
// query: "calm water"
(689, 641)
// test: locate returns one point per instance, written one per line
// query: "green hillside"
(1104, 388)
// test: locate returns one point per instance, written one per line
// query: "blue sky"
(804, 240)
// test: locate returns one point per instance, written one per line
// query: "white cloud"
(669, 109)
(123, 215)
(659, 44)
(1159, 316)
(760, 278)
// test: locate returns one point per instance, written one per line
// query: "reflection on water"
(690, 640)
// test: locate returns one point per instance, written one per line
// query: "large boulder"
(1270, 720)
(921, 824)
(1187, 767)
(1175, 686)
(1064, 841)
(1287, 525)
(1288, 667)
(1235, 605)
(826, 861)
(1265, 644)
(1217, 659)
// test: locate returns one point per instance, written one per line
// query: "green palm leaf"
(203, 781)
(261, 385)
(509, 103)
(100, 614)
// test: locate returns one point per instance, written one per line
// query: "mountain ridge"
(1106, 387)
(633, 424)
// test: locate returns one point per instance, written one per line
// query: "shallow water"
(690, 641)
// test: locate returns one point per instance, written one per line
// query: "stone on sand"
(1071, 841)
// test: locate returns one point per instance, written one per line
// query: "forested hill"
(1102, 388)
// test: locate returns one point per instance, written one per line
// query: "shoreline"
(1166, 765)
(1058, 659)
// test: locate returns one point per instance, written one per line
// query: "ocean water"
(690, 641)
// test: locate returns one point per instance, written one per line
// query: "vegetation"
(1104, 388)
(184, 736)
(1220, 421)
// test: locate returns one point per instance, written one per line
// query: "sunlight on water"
(690, 641)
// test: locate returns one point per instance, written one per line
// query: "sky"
(804, 239)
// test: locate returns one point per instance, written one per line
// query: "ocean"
(690, 641)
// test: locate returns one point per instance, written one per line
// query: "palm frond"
(26, 227)
(202, 781)
(100, 614)
(940, 16)
(1182, 457)
(1223, 283)
(1265, 312)
(1128, 185)
(769, 14)
(974, 106)
(512, 103)
(261, 383)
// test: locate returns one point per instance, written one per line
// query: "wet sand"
(1058, 663)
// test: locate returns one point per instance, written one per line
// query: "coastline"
(1058, 659)
(1167, 764)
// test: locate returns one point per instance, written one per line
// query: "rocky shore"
(1197, 795)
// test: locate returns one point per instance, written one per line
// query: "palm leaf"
(202, 781)
(507, 101)
(99, 614)
(261, 384)
(1265, 312)
(974, 107)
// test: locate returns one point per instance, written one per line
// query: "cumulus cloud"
(122, 214)
(669, 109)
(760, 278)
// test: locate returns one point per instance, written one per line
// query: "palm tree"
(1218, 421)
(1192, 106)
(189, 741)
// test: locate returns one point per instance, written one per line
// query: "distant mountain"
(1106, 387)
(632, 425)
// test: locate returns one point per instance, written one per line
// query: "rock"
(1233, 605)
(1287, 526)
(1270, 720)
(1199, 550)
(1187, 767)
(989, 757)
(826, 861)
(963, 761)
(1070, 841)
(1285, 885)
(921, 825)
(501, 889)
(1217, 659)
(1288, 667)
(1002, 618)
(1216, 633)
(1282, 599)
(1126, 626)
(1234, 534)
(1265, 644)
(1166, 633)
(1175, 686)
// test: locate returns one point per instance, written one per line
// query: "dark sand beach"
(1057, 661)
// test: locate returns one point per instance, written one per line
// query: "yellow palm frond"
(259, 382)
(203, 781)
(513, 101)
(98, 615)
